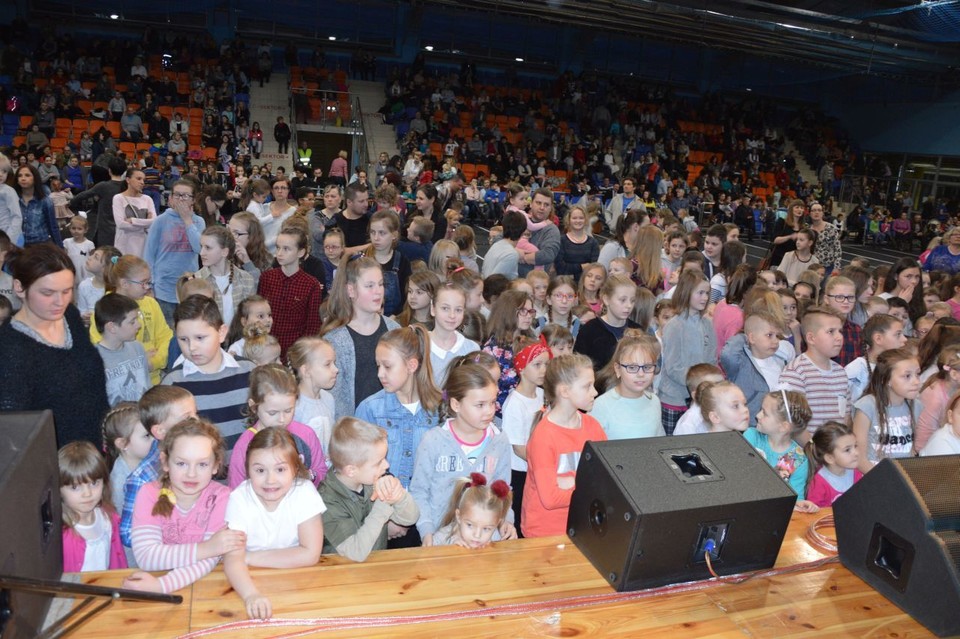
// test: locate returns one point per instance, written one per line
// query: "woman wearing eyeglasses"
(46, 359)
(173, 245)
(577, 245)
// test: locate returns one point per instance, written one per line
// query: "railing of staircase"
(361, 154)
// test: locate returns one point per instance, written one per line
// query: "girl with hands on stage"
(280, 512)
(178, 521)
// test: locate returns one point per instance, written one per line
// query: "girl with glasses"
(511, 317)
(629, 409)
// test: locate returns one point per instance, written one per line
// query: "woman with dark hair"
(39, 216)
(785, 232)
(903, 281)
(46, 358)
(428, 206)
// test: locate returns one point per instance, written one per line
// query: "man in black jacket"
(98, 202)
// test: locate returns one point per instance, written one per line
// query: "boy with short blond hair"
(840, 294)
(815, 374)
(754, 359)
(361, 499)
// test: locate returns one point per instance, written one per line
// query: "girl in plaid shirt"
(294, 296)
(231, 284)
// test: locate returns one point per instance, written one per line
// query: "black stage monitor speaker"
(898, 529)
(30, 537)
(645, 511)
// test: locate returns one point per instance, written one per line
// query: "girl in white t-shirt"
(279, 510)
(886, 416)
(519, 410)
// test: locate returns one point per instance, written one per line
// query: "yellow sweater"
(155, 335)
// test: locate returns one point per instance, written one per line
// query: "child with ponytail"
(407, 406)
(178, 521)
(467, 442)
(314, 362)
(556, 443)
(91, 289)
(475, 514)
(783, 417)
(834, 457)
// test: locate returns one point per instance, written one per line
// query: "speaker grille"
(951, 539)
(937, 480)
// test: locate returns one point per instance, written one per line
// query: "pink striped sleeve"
(153, 554)
(183, 577)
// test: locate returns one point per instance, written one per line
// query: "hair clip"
(476, 358)
(169, 494)
(477, 479)
(500, 488)
(786, 405)
(444, 396)
(458, 269)
(114, 259)
(356, 256)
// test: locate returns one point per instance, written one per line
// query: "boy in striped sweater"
(217, 380)
(814, 374)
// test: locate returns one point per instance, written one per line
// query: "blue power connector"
(709, 546)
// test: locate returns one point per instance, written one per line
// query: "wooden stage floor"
(537, 574)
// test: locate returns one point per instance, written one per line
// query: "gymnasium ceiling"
(885, 37)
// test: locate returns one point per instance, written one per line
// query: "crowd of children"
(372, 401)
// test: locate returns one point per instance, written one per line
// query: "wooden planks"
(828, 602)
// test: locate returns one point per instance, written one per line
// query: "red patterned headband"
(529, 353)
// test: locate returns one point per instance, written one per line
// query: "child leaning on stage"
(216, 379)
(279, 514)
(556, 443)
(815, 374)
(128, 442)
(178, 521)
(361, 498)
(124, 360)
(628, 408)
(271, 403)
(467, 442)
(91, 526)
(783, 415)
(161, 408)
(692, 421)
(475, 514)
(833, 456)
(522, 404)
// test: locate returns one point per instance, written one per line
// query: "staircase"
(380, 137)
(807, 173)
(267, 103)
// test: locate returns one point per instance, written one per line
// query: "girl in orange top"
(556, 443)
